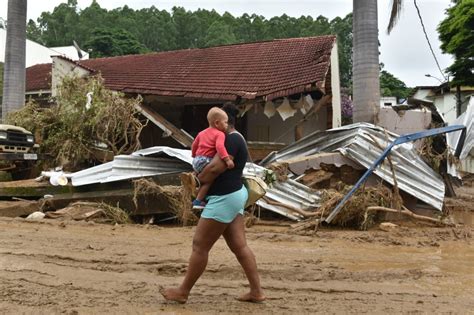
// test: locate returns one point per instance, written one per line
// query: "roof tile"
(270, 68)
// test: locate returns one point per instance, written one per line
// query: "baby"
(205, 146)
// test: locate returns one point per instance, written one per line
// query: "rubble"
(363, 143)
(307, 180)
(98, 212)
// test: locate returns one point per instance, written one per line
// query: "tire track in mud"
(161, 267)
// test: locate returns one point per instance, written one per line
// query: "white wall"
(36, 53)
(336, 88)
(388, 101)
(422, 94)
(262, 128)
(446, 105)
(62, 68)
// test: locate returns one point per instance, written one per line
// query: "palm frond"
(394, 14)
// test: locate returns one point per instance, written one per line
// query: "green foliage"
(342, 28)
(159, 30)
(113, 42)
(392, 86)
(457, 37)
(219, 34)
(58, 28)
(71, 132)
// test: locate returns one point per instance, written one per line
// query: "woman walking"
(223, 215)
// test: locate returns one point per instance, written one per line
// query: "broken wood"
(15, 209)
(305, 225)
(171, 130)
(30, 189)
(407, 212)
(324, 176)
(146, 203)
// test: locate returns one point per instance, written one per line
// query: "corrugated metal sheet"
(289, 193)
(359, 142)
(167, 160)
(128, 167)
(181, 154)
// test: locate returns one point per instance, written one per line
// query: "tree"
(1, 78)
(15, 54)
(342, 28)
(219, 34)
(33, 32)
(392, 86)
(457, 38)
(58, 28)
(185, 23)
(366, 82)
(365, 67)
(113, 42)
(159, 30)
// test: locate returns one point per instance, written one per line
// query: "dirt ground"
(87, 268)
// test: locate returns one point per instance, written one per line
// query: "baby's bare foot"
(176, 295)
(253, 298)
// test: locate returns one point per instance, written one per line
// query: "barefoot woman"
(223, 215)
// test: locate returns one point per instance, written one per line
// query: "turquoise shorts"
(225, 208)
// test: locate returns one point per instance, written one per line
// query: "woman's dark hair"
(232, 111)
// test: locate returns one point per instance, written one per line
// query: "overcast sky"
(405, 52)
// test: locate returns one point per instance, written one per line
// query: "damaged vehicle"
(15, 139)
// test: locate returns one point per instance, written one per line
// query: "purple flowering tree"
(346, 108)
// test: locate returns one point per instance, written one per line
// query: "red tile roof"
(272, 68)
(38, 77)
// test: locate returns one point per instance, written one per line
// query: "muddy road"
(84, 268)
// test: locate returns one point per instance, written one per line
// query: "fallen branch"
(407, 212)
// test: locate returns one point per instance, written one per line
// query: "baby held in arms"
(208, 152)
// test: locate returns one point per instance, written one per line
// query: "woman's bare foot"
(253, 298)
(176, 295)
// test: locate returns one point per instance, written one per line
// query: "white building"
(36, 53)
(443, 98)
(388, 101)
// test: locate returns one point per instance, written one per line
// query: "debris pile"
(86, 125)
(353, 176)
(91, 211)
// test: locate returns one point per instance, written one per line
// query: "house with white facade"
(37, 53)
(444, 98)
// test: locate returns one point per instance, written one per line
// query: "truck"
(15, 139)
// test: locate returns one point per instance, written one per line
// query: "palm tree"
(14, 68)
(365, 68)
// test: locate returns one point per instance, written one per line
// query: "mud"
(85, 268)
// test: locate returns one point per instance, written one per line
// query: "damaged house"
(285, 89)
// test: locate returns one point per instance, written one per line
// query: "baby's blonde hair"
(215, 113)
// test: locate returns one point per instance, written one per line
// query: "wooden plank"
(148, 204)
(14, 209)
(30, 188)
(182, 137)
